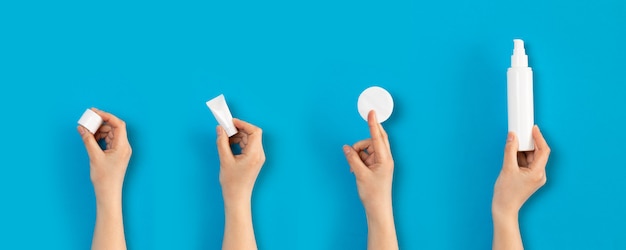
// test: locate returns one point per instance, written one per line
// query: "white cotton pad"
(90, 120)
(377, 99)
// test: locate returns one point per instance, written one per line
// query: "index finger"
(254, 133)
(119, 126)
(542, 150)
(377, 138)
(362, 145)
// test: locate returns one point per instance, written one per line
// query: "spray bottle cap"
(519, 57)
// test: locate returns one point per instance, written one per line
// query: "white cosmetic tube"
(222, 114)
(520, 97)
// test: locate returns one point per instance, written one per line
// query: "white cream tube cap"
(90, 120)
(222, 114)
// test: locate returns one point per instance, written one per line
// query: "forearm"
(506, 233)
(109, 230)
(238, 230)
(381, 227)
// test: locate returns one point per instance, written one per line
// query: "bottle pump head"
(519, 57)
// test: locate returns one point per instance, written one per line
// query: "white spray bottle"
(520, 97)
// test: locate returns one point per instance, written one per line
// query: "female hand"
(522, 174)
(372, 164)
(238, 173)
(107, 167)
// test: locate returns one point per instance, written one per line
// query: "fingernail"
(219, 130)
(509, 137)
(81, 130)
(346, 149)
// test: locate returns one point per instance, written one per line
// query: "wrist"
(378, 204)
(108, 204)
(379, 208)
(236, 199)
(380, 218)
(106, 196)
(237, 208)
(236, 195)
(504, 214)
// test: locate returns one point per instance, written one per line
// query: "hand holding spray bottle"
(520, 97)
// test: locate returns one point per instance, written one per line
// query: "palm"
(524, 159)
(105, 132)
(368, 156)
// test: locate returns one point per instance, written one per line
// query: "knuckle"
(358, 174)
(352, 158)
(506, 169)
(371, 125)
(539, 177)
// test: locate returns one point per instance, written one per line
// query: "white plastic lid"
(377, 99)
(90, 120)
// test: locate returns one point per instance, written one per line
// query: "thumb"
(90, 142)
(510, 150)
(356, 165)
(223, 145)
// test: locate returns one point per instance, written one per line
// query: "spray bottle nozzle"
(518, 46)
(519, 57)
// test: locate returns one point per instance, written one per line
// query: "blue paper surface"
(295, 69)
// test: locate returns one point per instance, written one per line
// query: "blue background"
(296, 68)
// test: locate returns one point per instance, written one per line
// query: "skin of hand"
(107, 170)
(372, 164)
(522, 174)
(238, 173)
